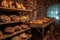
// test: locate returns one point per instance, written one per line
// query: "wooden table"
(42, 26)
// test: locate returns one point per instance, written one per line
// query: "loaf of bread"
(4, 18)
(23, 35)
(9, 30)
(17, 28)
(14, 18)
(16, 38)
(4, 3)
(20, 6)
(11, 4)
(24, 18)
(37, 21)
(24, 26)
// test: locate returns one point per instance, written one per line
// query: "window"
(54, 11)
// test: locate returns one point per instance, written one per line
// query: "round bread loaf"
(16, 38)
(24, 26)
(4, 3)
(17, 28)
(14, 18)
(23, 35)
(11, 4)
(24, 18)
(5, 18)
(9, 30)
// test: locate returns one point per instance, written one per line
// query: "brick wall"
(40, 5)
(31, 4)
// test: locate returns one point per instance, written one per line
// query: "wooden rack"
(14, 10)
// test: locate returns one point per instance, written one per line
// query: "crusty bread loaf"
(5, 18)
(4, 3)
(37, 21)
(22, 7)
(24, 26)
(16, 38)
(24, 18)
(17, 28)
(18, 5)
(11, 4)
(14, 18)
(23, 35)
(9, 30)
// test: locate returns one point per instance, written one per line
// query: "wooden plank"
(12, 22)
(8, 22)
(14, 9)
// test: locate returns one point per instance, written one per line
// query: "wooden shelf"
(14, 9)
(7, 22)
(11, 22)
(15, 33)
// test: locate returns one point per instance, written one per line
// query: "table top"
(41, 25)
